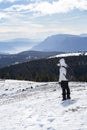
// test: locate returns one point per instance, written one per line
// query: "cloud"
(61, 6)
(3, 15)
(46, 8)
(20, 20)
(11, 0)
(7, 0)
(19, 28)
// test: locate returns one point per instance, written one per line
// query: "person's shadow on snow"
(68, 102)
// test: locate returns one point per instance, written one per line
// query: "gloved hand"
(58, 64)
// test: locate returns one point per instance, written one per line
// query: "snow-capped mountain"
(63, 43)
(26, 105)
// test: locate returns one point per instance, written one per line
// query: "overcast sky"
(37, 19)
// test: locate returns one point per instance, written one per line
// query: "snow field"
(26, 105)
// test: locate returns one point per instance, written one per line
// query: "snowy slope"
(69, 54)
(26, 105)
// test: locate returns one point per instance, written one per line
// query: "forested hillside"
(10, 59)
(45, 69)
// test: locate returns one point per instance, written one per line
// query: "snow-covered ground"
(26, 105)
(69, 54)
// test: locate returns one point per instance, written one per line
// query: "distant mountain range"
(16, 45)
(10, 59)
(59, 42)
(83, 35)
(63, 43)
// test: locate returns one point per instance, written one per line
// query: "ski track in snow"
(26, 105)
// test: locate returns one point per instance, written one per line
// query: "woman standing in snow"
(63, 81)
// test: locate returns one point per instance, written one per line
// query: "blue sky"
(37, 19)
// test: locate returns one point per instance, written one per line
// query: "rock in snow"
(41, 108)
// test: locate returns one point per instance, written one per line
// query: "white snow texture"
(26, 105)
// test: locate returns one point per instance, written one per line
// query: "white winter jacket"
(62, 70)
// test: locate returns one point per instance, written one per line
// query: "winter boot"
(64, 97)
(68, 97)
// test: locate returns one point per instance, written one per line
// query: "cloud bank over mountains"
(24, 18)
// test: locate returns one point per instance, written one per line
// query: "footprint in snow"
(51, 119)
(41, 125)
(68, 102)
(50, 128)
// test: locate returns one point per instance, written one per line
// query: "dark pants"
(65, 90)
